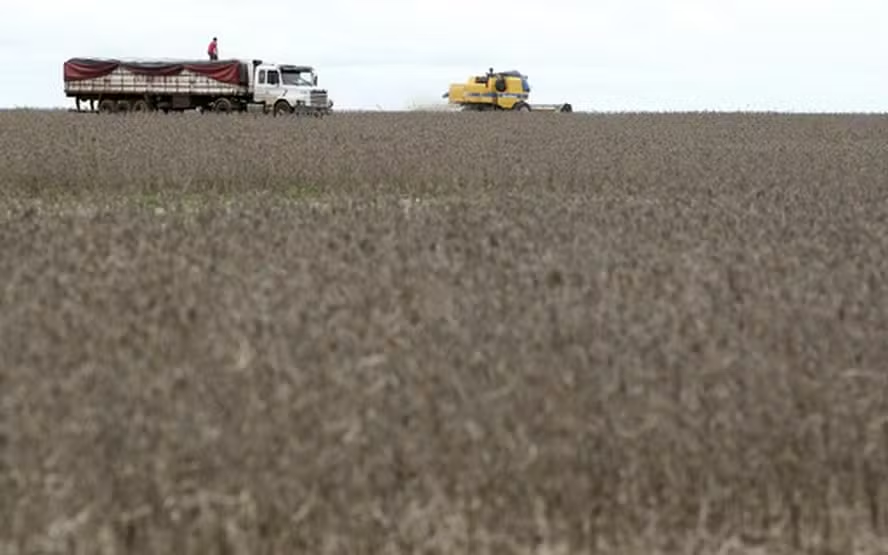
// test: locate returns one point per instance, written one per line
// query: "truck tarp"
(225, 71)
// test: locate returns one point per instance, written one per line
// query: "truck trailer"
(117, 85)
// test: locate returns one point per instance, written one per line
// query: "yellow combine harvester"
(501, 90)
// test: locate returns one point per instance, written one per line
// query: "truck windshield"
(296, 78)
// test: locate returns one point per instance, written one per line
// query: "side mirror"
(314, 81)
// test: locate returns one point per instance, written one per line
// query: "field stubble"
(451, 333)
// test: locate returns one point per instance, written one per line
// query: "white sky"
(797, 55)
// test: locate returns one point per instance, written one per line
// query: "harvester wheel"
(522, 107)
(282, 107)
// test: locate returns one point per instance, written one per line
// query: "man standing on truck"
(213, 50)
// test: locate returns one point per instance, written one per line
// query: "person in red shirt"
(213, 50)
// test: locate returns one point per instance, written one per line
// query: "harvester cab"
(503, 90)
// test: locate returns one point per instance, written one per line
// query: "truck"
(498, 90)
(137, 85)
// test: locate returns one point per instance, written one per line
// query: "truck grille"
(319, 98)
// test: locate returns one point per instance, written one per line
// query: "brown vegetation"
(443, 333)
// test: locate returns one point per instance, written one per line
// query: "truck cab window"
(273, 78)
(261, 76)
(297, 78)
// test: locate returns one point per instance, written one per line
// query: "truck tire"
(567, 108)
(141, 105)
(521, 107)
(282, 107)
(107, 106)
(223, 106)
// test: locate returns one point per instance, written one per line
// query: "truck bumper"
(316, 111)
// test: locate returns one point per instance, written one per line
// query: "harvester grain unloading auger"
(496, 91)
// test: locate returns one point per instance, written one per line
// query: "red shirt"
(212, 48)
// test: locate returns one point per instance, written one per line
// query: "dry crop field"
(443, 333)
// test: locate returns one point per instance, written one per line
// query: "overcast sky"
(797, 55)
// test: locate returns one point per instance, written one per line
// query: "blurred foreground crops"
(443, 333)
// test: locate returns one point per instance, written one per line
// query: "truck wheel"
(567, 108)
(282, 107)
(222, 105)
(141, 106)
(107, 106)
(522, 107)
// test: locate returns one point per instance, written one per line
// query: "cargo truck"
(115, 85)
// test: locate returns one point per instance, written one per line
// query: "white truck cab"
(286, 89)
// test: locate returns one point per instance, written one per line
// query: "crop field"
(393, 333)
